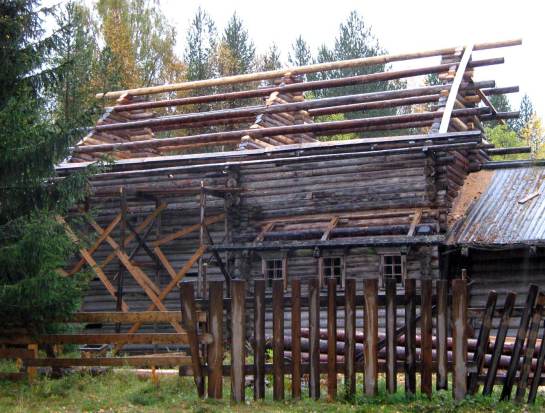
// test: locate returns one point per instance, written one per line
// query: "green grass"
(124, 392)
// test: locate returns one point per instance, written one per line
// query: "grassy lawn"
(124, 392)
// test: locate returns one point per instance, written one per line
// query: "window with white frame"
(393, 266)
(334, 267)
(273, 268)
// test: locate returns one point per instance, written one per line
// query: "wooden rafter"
(453, 93)
(266, 228)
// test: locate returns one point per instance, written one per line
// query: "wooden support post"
(32, 372)
(189, 323)
(370, 324)
(278, 339)
(215, 350)
(530, 348)
(459, 339)
(296, 338)
(391, 362)
(202, 204)
(426, 337)
(314, 333)
(538, 370)
(259, 338)
(410, 336)
(519, 342)
(482, 342)
(442, 334)
(350, 338)
(238, 336)
(331, 339)
(498, 344)
(121, 268)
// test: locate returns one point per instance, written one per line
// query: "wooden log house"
(241, 177)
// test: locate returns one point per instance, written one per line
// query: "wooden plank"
(529, 197)
(164, 260)
(16, 353)
(121, 269)
(350, 338)
(508, 307)
(391, 314)
(259, 338)
(482, 342)
(188, 230)
(238, 338)
(278, 339)
(140, 361)
(370, 325)
(410, 336)
(538, 370)
(215, 349)
(110, 317)
(459, 339)
(111, 226)
(332, 224)
(331, 339)
(442, 334)
(296, 339)
(92, 263)
(453, 92)
(519, 342)
(266, 228)
(416, 220)
(314, 334)
(103, 338)
(189, 322)
(530, 348)
(426, 326)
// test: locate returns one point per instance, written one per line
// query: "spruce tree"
(32, 141)
(300, 54)
(527, 112)
(201, 47)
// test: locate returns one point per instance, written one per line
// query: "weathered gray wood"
(215, 349)
(314, 328)
(370, 290)
(391, 324)
(350, 339)
(442, 336)
(410, 337)
(459, 339)
(259, 338)
(278, 339)
(426, 326)
(296, 338)
(331, 339)
(238, 331)
(538, 370)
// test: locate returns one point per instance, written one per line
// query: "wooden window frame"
(322, 269)
(283, 268)
(403, 263)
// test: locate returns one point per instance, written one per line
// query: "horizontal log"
(140, 361)
(509, 151)
(319, 67)
(280, 130)
(109, 317)
(128, 338)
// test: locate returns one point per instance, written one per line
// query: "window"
(333, 267)
(273, 269)
(393, 266)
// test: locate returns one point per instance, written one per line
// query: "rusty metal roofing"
(504, 214)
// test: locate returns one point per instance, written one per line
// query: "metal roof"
(501, 215)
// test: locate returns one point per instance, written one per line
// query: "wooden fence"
(434, 340)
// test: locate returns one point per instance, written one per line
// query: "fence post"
(442, 334)
(331, 339)
(538, 370)
(519, 342)
(350, 337)
(426, 328)
(215, 350)
(370, 324)
(296, 338)
(189, 323)
(498, 344)
(238, 335)
(459, 338)
(314, 338)
(391, 323)
(482, 342)
(259, 339)
(278, 339)
(410, 336)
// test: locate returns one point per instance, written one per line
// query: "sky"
(400, 26)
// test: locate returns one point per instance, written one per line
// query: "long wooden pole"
(319, 67)
(279, 130)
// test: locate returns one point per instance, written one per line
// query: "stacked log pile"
(111, 116)
(268, 120)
